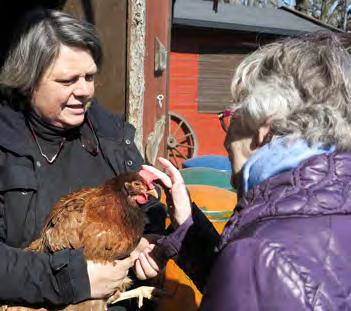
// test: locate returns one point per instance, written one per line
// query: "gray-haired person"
(287, 245)
(52, 144)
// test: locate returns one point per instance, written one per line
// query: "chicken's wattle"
(142, 198)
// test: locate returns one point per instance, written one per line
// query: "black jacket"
(61, 278)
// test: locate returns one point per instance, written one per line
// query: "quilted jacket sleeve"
(231, 285)
(193, 245)
(250, 275)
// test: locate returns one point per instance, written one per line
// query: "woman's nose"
(83, 88)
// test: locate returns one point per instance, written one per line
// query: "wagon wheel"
(181, 142)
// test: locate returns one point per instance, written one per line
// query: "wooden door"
(156, 74)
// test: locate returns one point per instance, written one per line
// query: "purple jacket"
(285, 248)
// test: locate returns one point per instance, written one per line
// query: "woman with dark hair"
(286, 247)
(55, 139)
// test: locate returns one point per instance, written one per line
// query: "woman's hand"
(105, 278)
(148, 264)
(150, 261)
(180, 207)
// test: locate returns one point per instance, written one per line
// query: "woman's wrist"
(170, 245)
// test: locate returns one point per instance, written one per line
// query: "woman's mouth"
(76, 109)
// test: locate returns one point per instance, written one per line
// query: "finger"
(172, 170)
(149, 271)
(143, 243)
(134, 255)
(151, 261)
(139, 270)
(150, 248)
(162, 176)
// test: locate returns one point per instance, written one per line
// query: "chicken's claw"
(140, 293)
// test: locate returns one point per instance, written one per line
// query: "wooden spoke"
(175, 158)
(186, 146)
(177, 129)
(181, 154)
(181, 141)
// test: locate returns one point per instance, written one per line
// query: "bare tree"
(333, 12)
(257, 3)
(303, 5)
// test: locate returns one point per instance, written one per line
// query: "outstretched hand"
(173, 183)
(150, 261)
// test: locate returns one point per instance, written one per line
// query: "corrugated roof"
(199, 13)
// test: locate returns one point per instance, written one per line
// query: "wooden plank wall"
(215, 76)
(189, 44)
(183, 98)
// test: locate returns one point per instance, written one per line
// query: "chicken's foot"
(140, 293)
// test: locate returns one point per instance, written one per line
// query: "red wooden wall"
(183, 100)
(187, 44)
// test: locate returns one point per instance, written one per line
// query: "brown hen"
(105, 221)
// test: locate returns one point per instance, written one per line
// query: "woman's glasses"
(225, 118)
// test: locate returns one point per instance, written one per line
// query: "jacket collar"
(109, 125)
(14, 134)
(317, 187)
(281, 154)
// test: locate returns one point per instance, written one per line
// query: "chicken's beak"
(153, 192)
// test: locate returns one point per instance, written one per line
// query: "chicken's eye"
(136, 183)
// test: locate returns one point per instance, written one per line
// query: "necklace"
(53, 158)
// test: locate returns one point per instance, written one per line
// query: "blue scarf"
(278, 156)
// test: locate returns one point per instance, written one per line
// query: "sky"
(286, 2)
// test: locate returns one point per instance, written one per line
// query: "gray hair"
(302, 85)
(38, 44)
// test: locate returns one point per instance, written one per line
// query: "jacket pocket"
(17, 187)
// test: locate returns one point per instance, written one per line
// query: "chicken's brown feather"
(105, 221)
(99, 219)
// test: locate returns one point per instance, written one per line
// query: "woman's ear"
(264, 134)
